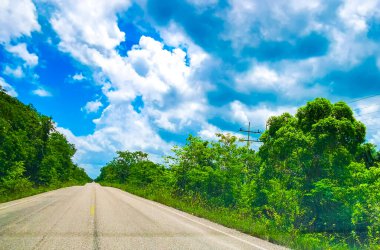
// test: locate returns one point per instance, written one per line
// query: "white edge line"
(210, 227)
(200, 223)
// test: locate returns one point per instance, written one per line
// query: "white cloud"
(203, 3)
(376, 139)
(355, 13)
(258, 115)
(92, 107)
(241, 114)
(174, 35)
(119, 128)
(286, 80)
(42, 92)
(83, 23)
(17, 18)
(78, 77)
(313, 5)
(172, 99)
(251, 23)
(262, 77)
(208, 132)
(22, 52)
(368, 112)
(16, 72)
(169, 81)
(274, 20)
(8, 88)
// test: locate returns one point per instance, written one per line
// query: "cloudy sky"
(143, 74)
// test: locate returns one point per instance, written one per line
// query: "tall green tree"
(32, 152)
(313, 173)
(311, 153)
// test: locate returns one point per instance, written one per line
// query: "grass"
(5, 197)
(260, 228)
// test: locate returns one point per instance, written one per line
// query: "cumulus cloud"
(290, 51)
(20, 50)
(14, 72)
(84, 23)
(17, 18)
(266, 32)
(78, 77)
(163, 79)
(203, 3)
(8, 88)
(368, 112)
(209, 132)
(92, 107)
(249, 22)
(298, 44)
(356, 13)
(263, 77)
(119, 128)
(171, 101)
(257, 115)
(41, 92)
(286, 82)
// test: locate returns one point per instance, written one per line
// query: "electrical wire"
(370, 118)
(363, 98)
(374, 112)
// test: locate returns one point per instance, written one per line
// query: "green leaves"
(312, 174)
(214, 170)
(31, 151)
(313, 112)
(14, 180)
(133, 168)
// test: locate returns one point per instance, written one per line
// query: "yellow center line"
(92, 210)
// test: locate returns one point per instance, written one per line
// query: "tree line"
(33, 154)
(313, 175)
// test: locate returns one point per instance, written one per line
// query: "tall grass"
(243, 222)
(7, 196)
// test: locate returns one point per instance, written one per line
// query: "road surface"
(96, 217)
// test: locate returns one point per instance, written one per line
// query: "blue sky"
(143, 74)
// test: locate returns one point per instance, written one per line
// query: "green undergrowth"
(312, 184)
(230, 218)
(5, 197)
(34, 156)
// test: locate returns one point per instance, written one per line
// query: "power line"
(362, 108)
(363, 98)
(369, 113)
(370, 118)
(373, 129)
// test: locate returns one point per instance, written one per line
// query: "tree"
(32, 152)
(311, 153)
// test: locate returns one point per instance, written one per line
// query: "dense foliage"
(32, 153)
(134, 168)
(313, 175)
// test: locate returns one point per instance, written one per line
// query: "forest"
(313, 184)
(34, 156)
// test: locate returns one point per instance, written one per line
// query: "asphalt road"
(96, 217)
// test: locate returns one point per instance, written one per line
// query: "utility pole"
(249, 132)
(248, 140)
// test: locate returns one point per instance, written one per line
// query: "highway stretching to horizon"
(97, 217)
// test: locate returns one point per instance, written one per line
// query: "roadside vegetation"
(34, 157)
(313, 184)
